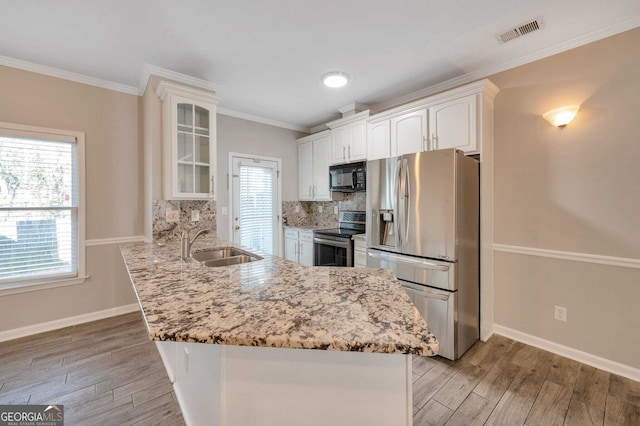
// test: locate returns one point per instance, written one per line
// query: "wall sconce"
(562, 116)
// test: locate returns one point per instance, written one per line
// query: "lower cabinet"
(359, 252)
(298, 246)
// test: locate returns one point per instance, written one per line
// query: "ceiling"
(265, 58)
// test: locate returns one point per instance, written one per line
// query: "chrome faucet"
(186, 242)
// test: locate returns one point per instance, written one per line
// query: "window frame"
(42, 133)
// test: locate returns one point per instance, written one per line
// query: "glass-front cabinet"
(189, 133)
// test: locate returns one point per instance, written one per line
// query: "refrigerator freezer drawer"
(422, 271)
(438, 308)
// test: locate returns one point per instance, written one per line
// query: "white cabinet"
(349, 138)
(409, 133)
(452, 124)
(359, 251)
(452, 119)
(298, 246)
(189, 141)
(379, 140)
(314, 152)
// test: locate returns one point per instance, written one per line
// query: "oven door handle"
(333, 243)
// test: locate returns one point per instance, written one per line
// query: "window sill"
(24, 287)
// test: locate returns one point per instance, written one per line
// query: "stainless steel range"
(334, 247)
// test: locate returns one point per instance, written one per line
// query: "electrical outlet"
(195, 215)
(335, 209)
(172, 216)
(560, 313)
(297, 208)
(320, 209)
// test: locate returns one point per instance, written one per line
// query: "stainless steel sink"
(224, 256)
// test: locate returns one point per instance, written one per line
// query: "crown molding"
(263, 120)
(354, 106)
(587, 38)
(66, 75)
(148, 70)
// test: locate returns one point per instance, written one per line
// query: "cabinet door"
(305, 171)
(379, 140)
(357, 141)
(409, 133)
(453, 125)
(339, 145)
(306, 253)
(321, 158)
(291, 249)
(191, 152)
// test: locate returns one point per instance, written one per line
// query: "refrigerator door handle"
(403, 259)
(407, 191)
(396, 219)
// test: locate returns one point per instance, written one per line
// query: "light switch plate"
(172, 216)
(297, 208)
(195, 215)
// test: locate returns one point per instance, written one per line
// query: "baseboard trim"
(574, 354)
(66, 322)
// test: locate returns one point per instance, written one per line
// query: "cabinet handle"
(313, 190)
(434, 138)
(343, 157)
(349, 151)
(425, 143)
(300, 249)
(213, 192)
(309, 190)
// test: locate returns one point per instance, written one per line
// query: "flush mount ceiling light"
(335, 79)
(562, 116)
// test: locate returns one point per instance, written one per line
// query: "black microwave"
(348, 177)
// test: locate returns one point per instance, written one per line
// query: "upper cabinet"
(314, 154)
(451, 119)
(189, 141)
(409, 133)
(452, 124)
(349, 138)
(379, 140)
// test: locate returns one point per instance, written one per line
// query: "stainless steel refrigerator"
(423, 224)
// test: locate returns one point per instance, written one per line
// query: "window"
(41, 208)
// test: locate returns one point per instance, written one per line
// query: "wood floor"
(108, 373)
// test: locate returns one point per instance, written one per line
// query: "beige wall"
(575, 190)
(111, 121)
(248, 137)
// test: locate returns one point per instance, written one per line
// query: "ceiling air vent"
(520, 30)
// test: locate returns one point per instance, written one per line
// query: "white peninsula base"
(241, 385)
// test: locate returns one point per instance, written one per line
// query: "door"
(338, 145)
(321, 158)
(305, 171)
(379, 140)
(357, 147)
(426, 205)
(438, 309)
(409, 133)
(255, 212)
(453, 125)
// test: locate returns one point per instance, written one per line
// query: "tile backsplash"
(163, 230)
(309, 211)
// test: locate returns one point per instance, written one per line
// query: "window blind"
(256, 207)
(39, 199)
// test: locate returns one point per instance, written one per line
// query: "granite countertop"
(273, 303)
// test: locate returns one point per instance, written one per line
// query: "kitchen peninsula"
(230, 338)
